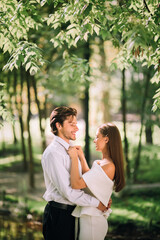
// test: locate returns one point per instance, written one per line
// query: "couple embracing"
(73, 190)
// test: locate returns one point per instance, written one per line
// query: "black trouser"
(58, 223)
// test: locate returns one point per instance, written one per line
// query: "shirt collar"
(62, 142)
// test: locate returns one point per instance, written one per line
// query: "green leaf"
(87, 10)
(28, 66)
(86, 36)
(96, 29)
(33, 70)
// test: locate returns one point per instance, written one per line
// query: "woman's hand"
(72, 151)
(79, 151)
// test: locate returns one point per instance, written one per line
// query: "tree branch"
(145, 4)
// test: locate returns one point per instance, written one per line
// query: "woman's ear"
(107, 139)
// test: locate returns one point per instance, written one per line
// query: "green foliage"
(4, 113)
(131, 25)
(27, 54)
(75, 70)
(156, 104)
(17, 18)
(75, 21)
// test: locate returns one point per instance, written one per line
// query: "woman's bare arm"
(76, 181)
(85, 167)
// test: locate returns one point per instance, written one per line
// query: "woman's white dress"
(93, 222)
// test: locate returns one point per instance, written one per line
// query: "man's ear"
(58, 125)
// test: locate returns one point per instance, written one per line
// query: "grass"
(140, 207)
(135, 212)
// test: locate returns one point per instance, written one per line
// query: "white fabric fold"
(99, 183)
(100, 186)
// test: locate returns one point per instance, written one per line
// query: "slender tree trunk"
(42, 129)
(30, 151)
(149, 132)
(10, 94)
(3, 141)
(149, 124)
(137, 160)
(86, 110)
(106, 93)
(25, 166)
(126, 148)
(87, 137)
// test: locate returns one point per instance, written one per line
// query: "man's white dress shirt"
(56, 165)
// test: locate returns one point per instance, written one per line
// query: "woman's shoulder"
(109, 169)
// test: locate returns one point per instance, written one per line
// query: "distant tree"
(143, 105)
(124, 116)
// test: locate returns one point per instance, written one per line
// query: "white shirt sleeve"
(60, 177)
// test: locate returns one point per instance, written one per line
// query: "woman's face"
(100, 141)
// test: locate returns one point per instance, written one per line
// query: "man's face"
(69, 129)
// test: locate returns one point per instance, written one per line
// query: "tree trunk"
(42, 129)
(106, 91)
(86, 114)
(137, 160)
(30, 151)
(86, 110)
(25, 166)
(10, 94)
(126, 150)
(149, 132)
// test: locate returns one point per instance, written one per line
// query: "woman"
(104, 176)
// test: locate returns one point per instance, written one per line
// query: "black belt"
(61, 206)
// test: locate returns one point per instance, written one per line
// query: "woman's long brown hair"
(116, 153)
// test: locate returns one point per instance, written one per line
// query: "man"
(58, 223)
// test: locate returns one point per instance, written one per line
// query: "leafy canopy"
(132, 26)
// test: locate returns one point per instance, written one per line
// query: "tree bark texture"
(86, 110)
(124, 111)
(30, 151)
(42, 129)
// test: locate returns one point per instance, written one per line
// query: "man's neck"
(65, 139)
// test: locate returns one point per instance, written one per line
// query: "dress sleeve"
(99, 183)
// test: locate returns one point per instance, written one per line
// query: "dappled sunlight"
(144, 204)
(129, 214)
(14, 230)
(17, 158)
(11, 159)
